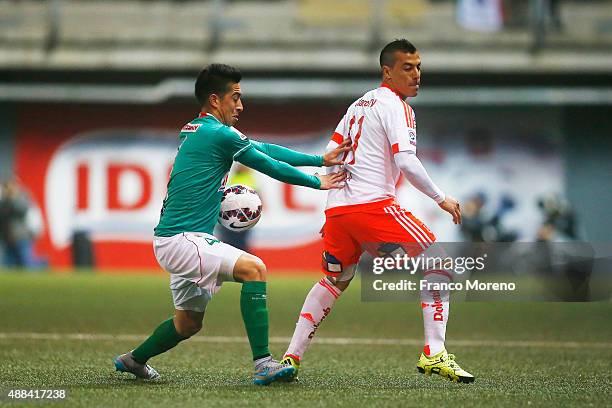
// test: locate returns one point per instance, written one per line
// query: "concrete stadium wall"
(588, 131)
(7, 142)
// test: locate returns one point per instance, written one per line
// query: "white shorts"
(198, 264)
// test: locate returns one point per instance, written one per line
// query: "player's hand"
(451, 206)
(332, 181)
(331, 158)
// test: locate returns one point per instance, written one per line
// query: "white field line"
(319, 340)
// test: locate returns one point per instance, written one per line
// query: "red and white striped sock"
(317, 306)
(435, 305)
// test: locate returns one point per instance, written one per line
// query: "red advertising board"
(103, 170)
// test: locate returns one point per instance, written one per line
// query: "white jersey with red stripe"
(379, 124)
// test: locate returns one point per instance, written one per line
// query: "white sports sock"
(435, 305)
(317, 306)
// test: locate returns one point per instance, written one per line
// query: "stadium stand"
(97, 33)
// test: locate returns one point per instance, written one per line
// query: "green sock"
(255, 317)
(163, 339)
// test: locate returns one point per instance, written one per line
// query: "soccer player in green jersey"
(184, 246)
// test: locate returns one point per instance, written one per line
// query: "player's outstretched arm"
(286, 173)
(296, 158)
(286, 155)
(413, 169)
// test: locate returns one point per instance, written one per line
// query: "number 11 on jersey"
(357, 136)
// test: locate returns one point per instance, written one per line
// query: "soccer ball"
(240, 208)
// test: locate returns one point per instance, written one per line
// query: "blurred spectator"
(521, 13)
(473, 223)
(480, 15)
(568, 263)
(476, 226)
(499, 233)
(559, 220)
(18, 226)
(554, 14)
(239, 239)
(516, 13)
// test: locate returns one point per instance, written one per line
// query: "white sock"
(317, 306)
(435, 305)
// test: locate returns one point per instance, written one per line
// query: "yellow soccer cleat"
(443, 364)
(294, 362)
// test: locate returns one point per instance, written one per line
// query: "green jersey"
(205, 155)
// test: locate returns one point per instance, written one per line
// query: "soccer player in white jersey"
(382, 129)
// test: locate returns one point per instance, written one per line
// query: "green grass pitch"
(536, 354)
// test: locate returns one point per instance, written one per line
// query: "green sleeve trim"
(278, 170)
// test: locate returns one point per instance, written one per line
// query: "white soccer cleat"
(272, 370)
(126, 364)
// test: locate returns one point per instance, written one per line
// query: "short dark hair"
(215, 79)
(387, 54)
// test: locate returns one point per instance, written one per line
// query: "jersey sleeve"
(235, 143)
(288, 156)
(278, 170)
(414, 171)
(399, 123)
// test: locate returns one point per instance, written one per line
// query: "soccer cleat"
(443, 364)
(126, 364)
(270, 371)
(293, 362)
